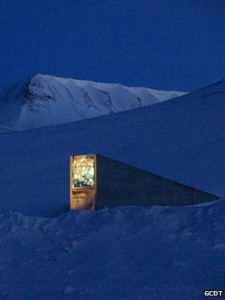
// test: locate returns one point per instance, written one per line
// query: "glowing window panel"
(83, 171)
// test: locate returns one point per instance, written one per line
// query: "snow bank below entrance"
(123, 253)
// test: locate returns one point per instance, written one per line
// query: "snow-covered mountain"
(43, 100)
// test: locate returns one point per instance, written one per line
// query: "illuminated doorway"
(83, 181)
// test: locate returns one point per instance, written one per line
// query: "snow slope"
(43, 100)
(182, 139)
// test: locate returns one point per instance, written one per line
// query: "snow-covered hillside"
(182, 139)
(43, 100)
(126, 253)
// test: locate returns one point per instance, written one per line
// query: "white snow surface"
(126, 253)
(114, 254)
(43, 100)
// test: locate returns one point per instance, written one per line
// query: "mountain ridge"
(44, 100)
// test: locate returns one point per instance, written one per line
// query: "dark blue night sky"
(161, 44)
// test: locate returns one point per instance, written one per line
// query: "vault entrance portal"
(97, 182)
(83, 181)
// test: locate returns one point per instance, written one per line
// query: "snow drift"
(126, 253)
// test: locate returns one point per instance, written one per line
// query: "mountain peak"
(44, 100)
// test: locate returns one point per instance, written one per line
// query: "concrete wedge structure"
(97, 182)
